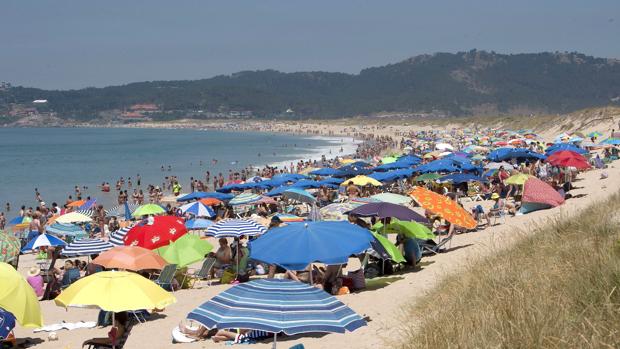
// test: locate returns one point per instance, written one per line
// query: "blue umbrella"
(244, 199)
(274, 305)
(299, 194)
(201, 195)
(86, 247)
(197, 209)
(443, 165)
(501, 154)
(88, 204)
(326, 171)
(128, 212)
(65, 229)
(296, 245)
(307, 183)
(565, 146)
(458, 178)
(278, 191)
(7, 323)
(43, 240)
(235, 228)
(16, 220)
(289, 177)
(198, 223)
(611, 141)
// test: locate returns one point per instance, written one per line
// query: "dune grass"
(557, 288)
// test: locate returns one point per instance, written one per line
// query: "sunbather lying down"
(187, 334)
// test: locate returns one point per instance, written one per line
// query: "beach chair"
(435, 248)
(498, 213)
(204, 273)
(164, 279)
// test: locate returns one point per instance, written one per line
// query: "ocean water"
(55, 160)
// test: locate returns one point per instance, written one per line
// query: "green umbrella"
(388, 160)
(390, 248)
(409, 229)
(186, 250)
(392, 198)
(148, 209)
(9, 247)
(427, 177)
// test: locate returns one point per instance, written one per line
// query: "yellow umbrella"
(18, 298)
(115, 291)
(362, 180)
(518, 179)
(73, 217)
(346, 161)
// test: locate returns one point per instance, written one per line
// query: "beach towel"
(66, 326)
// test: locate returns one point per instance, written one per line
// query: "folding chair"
(166, 276)
(204, 273)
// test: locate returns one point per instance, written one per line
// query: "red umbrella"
(567, 158)
(155, 232)
(536, 191)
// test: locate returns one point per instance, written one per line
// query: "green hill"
(463, 83)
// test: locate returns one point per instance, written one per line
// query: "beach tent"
(538, 195)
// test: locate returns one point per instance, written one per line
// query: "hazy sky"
(72, 44)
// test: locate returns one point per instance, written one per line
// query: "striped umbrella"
(197, 209)
(235, 228)
(244, 199)
(86, 247)
(117, 237)
(43, 240)
(119, 210)
(90, 212)
(65, 229)
(277, 305)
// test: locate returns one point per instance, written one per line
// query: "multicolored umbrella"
(443, 206)
(43, 240)
(244, 199)
(197, 209)
(7, 323)
(9, 247)
(277, 305)
(66, 230)
(130, 258)
(155, 232)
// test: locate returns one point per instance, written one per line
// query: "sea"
(55, 160)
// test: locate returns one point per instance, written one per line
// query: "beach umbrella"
(88, 204)
(115, 291)
(497, 165)
(444, 207)
(300, 195)
(565, 146)
(73, 217)
(539, 195)
(517, 179)
(202, 195)
(458, 178)
(595, 134)
(362, 180)
(9, 247)
(244, 199)
(41, 241)
(351, 172)
(235, 228)
(198, 224)
(117, 237)
(392, 198)
(185, 251)
(427, 177)
(308, 183)
(277, 305)
(76, 203)
(148, 209)
(86, 247)
(443, 146)
(63, 229)
(390, 249)
(386, 209)
(326, 171)
(20, 220)
(266, 200)
(611, 141)
(155, 232)
(296, 245)
(130, 258)
(567, 158)
(210, 201)
(409, 229)
(18, 298)
(278, 191)
(121, 210)
(336, 211)
(7, 323)
(388, 160)
(288, 218)
(197, 209)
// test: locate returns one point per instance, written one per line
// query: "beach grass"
(557, 288)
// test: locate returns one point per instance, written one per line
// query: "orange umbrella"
(210, 201)
(443, 206)
(77, 203)
(130, 258)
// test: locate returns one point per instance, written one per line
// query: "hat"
(34, 271)
(494, 196)
(42, 203)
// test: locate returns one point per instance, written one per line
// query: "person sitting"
(478, 213)
(237, 336)
(36, 281)
(223, 257)
(70, 274)
(119, 328)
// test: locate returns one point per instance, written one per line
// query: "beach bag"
(227, 277)
(358, 280)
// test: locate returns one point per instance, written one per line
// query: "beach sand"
(383, 301)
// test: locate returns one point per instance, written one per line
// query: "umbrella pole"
(237, 258)
(275, 339)
(310, 275)
(114, 339)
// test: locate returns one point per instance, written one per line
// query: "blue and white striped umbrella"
(198, 224)
(244, 199)
(117, 237)
(43, 240)
(235, 228)
(277, 305)
(119, 210)
(197, 209)
(86, 247)
(65, 229)
(90, 212)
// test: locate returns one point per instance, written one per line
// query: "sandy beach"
(383, 300)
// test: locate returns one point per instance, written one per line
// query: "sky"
(69, 44)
